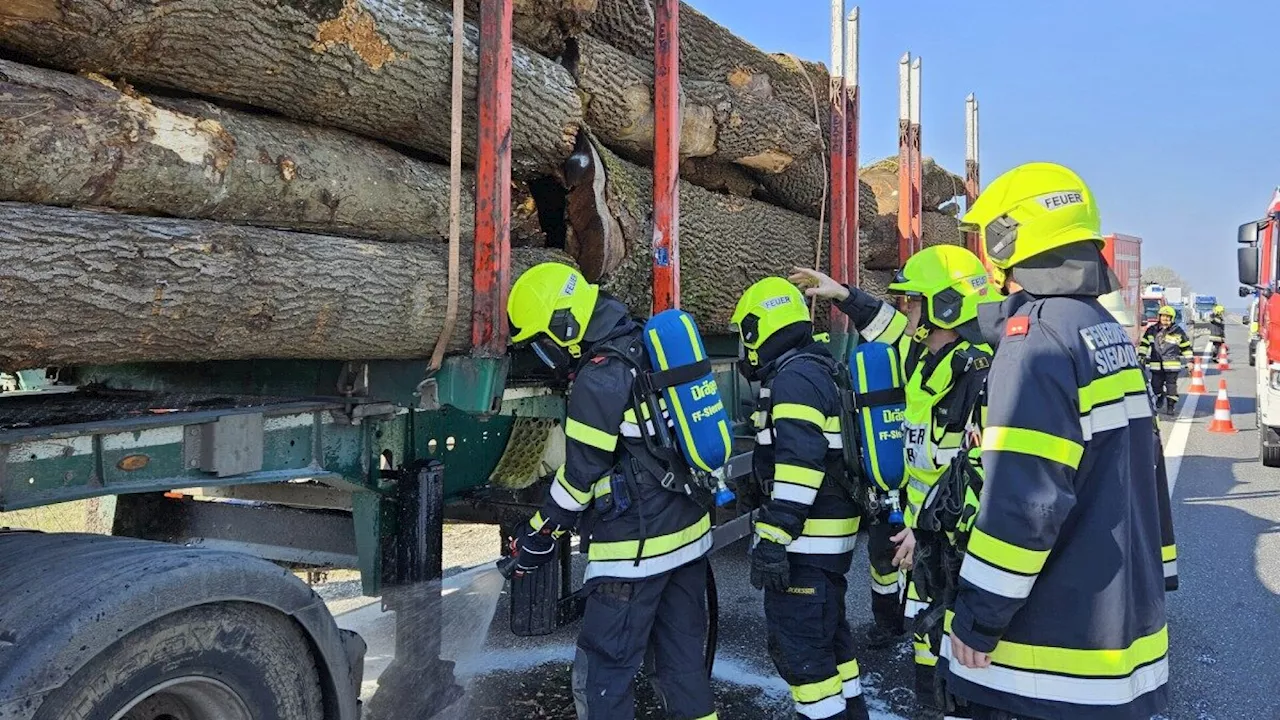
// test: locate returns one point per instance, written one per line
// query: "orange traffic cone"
(1197, 379)
(1222, 411)
(1224, 359)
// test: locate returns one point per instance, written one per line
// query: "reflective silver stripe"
(919, 486)
(649, 567)
(765, 392)
(835, 441)
(1171, 569)
(994, 580)
(1062, 688)
(1114, 416)
(884, 589)
(823, 545)
(915, 607)
(764, 437)
(880, 322)
(852, 688)
(944, 457)
(824, 708)
(564, 499)
(793, 493)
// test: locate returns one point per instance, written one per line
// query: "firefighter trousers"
(811, 644)
(886, 600)
(925, 661)
(1164, 385)
(667, 614)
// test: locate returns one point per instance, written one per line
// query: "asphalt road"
(1224, 620)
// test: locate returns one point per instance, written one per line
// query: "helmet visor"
(550, 353)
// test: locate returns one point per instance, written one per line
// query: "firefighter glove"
(533, 550)
(769, 567)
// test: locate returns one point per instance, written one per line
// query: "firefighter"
(1069, 538)
(646, 576)
(944, 363)
(1217, 330)
(807, 527)
(1165, 346)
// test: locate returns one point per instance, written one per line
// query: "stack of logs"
(305, 215)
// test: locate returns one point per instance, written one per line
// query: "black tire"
(1269, 454)
(260, 656)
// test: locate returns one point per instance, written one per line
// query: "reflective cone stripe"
(1222, 411)
(1197, 379)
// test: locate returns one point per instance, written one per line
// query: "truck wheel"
(227, 661)
(1270, 454)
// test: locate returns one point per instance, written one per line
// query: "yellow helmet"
(554, 302)
(1167, 310)
(1030, 210)
(952, 281)
(1219, 309)
(765, 308)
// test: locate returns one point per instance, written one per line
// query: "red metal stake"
(905, 244)
(917, 162)
(666, 155)
(851, 112)
(836, 98)
(971, 179)
(492, 276)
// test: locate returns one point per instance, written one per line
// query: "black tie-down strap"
(662, 379)
(890, 396)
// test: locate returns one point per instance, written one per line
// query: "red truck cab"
(1256, 260)
(1124, 254)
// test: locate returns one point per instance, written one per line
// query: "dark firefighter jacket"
(1165, 348)
(659, 530)
(1217, 328)
(798, 460)
(940, 386)
(1063, 580)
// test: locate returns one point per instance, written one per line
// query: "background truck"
(1203, 305)
(1256, 257)
(301, 457)
(1124, 254)
(1153, 298)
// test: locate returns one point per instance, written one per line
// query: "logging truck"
(228, 474)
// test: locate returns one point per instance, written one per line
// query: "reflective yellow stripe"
(654, 546)
(813, 692)
(537, 521)
(795, 411)
(587, 435)
(1087, 663)
(831, 425)
(1111, 388)
(798, 475)
(1006, 556)
(603, 486)
(1032, 442)
(582, 497)
(817, 527)
(1168, 552)
(890, 579)
(924, 653)
(897, 326)
(848, 670)
(712, 716)
(773, 532)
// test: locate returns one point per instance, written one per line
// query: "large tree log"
(939, 187)
(879, 248)
(718, 122)
(543, 25)
(802, 188)
(726, 242)
(708, 51)
(73, 141)
(376, 67)
(83, 287)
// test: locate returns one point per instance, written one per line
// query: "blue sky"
(1166, 109)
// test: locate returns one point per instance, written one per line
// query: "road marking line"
(1176, 445)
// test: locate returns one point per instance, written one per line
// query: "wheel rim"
(186, 698)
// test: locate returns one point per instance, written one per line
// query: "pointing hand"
(818, 285)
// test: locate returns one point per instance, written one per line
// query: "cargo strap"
(890, 396)
(662, 379)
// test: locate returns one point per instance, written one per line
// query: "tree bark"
(803, 188)
(708, 51)
(543, 25)
(879, 249)
(83, 287)
(376, 67)
(726, 242)
(74, 141)
(939, 186)
(718, 122)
